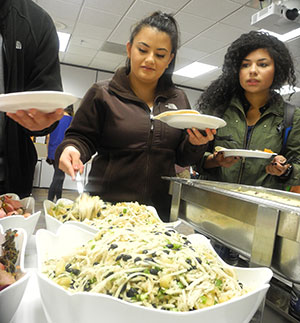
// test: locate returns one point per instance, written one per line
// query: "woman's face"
(150, 54)
(257, 72)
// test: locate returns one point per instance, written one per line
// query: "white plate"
(46, 101)
(187, 121)
(246, 153)
(63, 307)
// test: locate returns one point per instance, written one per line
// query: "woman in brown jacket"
(115, 120)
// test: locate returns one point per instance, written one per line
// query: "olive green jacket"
(267, 133)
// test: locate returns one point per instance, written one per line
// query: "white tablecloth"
(30, 309)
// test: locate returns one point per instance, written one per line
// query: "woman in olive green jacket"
(245, 96)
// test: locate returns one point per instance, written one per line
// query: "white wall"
(193, 96)
(77, 80)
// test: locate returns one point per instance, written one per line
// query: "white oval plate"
(246, 153)
(187, 121)
(46, 101)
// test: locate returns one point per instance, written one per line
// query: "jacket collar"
(121, 86)
(275, 106)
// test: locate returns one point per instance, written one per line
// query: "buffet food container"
(63, 307)
(19, 221)
(52, 223)
(259, 223)
(11, 296)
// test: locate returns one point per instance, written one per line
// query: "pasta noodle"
(149, 265)
(93, 211)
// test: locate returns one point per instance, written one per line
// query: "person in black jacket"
(28, 62)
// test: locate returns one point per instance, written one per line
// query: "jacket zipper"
(149, 144)
(5, 64)
(246, 146)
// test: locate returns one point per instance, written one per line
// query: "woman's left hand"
(197, 138)
(35, 120)
(278, 166)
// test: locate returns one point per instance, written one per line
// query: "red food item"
(11, 207)
(7, 207)
(6, 278)
(2, 213)
(14, 203)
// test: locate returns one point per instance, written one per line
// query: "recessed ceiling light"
(195, 69)
(63, 40)
(284, 37)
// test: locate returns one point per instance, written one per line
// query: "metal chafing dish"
(267, 231)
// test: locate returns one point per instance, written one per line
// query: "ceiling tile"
(206, 45)
(178, 79)
(104, 65)
(241, 1)
(190, 53)
(185, 37)
(141, 9)
(222, 33)
(182, 61)
(60, 10)
(108, 57)
(76, 59)
(84, 30)
(86, 42)
(241, 19)
(113, 6)
(173, 4)
(98, 18)
(192, 24)
(121, 33)
(204, 80)
(82, 51)
(211, 9)
(216, 58)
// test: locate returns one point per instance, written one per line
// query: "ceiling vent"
(114, 48)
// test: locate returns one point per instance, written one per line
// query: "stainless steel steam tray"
(262, 224)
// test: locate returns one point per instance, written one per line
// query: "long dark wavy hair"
(166, 23)
(217, 96)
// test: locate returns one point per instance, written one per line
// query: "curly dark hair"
(219, 93)
(166, 23)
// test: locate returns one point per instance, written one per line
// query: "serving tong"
(79, 183)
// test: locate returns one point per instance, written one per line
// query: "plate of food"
(246, 153)
(186, 119)
(45, 101)
(147, 273)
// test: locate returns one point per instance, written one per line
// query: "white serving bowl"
(63, 307)
(11, 296)
(19, 221)
(52, 224)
